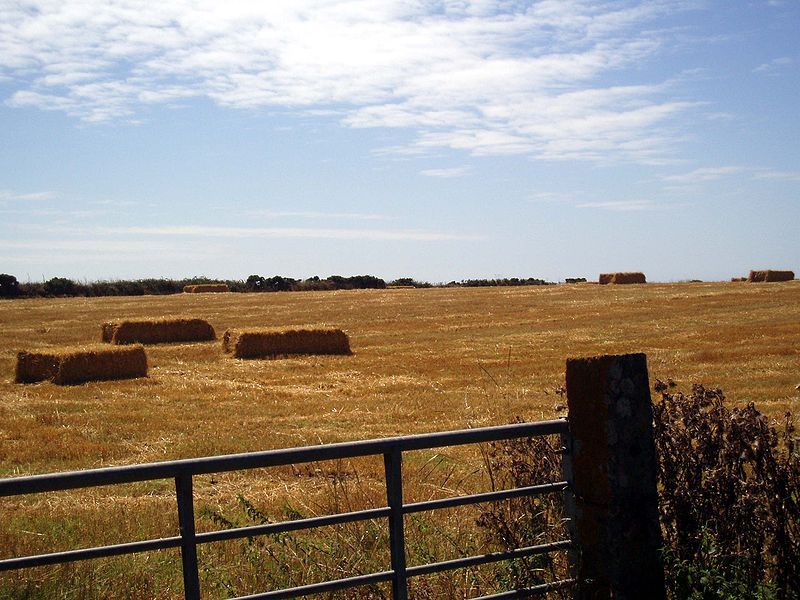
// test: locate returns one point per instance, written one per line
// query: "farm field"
(423, 360)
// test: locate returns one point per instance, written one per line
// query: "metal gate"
(392, 449)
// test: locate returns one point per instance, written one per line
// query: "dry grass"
(424, 360)
(73, 365)
(162, 330)
(201, 288)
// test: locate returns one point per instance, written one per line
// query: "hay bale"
(157, 331)
(621, 278)
(768, 275)
(738, 279)
(773, 275)
(72, 365)
(35, 366)
(575, 280)
(206, 287)
(229, 340)
(605, 278)
(108, 331)
(256, 343)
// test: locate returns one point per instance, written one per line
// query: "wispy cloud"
(200, 231)
(704, 174)
(482, 76)
(621, 205)
(445, 173)
(775, 66)
(317, 215)
(49, 252)
(10, 196)
(777, 175)
(554, 197)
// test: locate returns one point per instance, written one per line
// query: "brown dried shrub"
(729, 486)
(729, 500)
(530, 520)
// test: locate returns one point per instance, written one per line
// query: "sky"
(434, 139)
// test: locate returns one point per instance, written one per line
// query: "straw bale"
(767, 275)
(158, 331)
(630, 277)
(72, 365)
(738, 279)
(605, 278)
(108, 331)
(773, 275)
(229, 339)
(206, 287)
(35, 366)
(255, 343)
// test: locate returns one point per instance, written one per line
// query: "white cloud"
(8, 195)
(317, 215)
(445, 173)
(483, 76)
(775, 66)
(715, 173)
(291, 232)
(704, 174)
(777, 175)
(554, 197)
(621, 205)
(50, 253)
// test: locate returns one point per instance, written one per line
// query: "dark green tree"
(9, 286)
(59, 286)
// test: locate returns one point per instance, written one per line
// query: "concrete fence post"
(614, 478)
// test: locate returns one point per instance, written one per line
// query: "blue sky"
(432, 139)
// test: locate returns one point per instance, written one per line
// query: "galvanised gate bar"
(392, 450)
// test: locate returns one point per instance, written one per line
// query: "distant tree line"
(10, 287)
(257, 283)
(498, 282)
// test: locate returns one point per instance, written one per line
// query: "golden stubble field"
(423, 360)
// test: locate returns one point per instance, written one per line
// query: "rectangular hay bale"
(622, 278)
(158, 331)
(72, 365)
(267, 342)
(35, 366)
(767, 275)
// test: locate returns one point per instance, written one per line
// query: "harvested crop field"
(423, 360)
